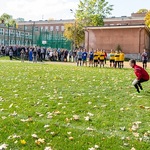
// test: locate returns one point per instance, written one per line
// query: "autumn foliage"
(147, 19)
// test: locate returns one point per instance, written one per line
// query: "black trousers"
(138, 85)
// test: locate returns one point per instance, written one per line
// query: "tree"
(7, 20)
(89, 13)
(147, 19)
(74, 33)
(142, 11)
(92, 12)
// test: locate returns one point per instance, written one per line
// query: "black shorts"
(79, 59)
(112, 61)
(142, 80)
(144, 61)
(90, 59)
(101, 60)
(95, 61)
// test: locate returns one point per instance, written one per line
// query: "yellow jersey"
(112, 56)
(117, 56)
(99, 54)
(95, 56)
(121, 57)
(102, 56)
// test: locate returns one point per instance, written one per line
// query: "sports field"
(63, 107)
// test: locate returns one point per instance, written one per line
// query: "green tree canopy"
(89, 13)
(7, 20)
(92, 12)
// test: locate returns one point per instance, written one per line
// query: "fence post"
(8, 35)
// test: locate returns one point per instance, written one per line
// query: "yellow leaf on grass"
(23, 142)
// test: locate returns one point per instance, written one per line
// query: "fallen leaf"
(23, 142)
(76, 117)
(3, 146)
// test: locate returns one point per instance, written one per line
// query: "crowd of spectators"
(37, 53)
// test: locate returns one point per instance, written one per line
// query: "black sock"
(140, 87)
(137, 88)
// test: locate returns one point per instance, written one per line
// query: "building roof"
(117, 27)
(123, 18)
(44, 22)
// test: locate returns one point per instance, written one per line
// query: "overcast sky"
(60, 9)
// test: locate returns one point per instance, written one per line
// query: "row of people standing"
(116, 58)
(33, 54)
(52, 55)
(99, 57)
(95, 57)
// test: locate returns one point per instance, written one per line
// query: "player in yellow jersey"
(117, 61)
(102, 58)
(95, 58)
(112, 58)
(99, 53)
(121, 59)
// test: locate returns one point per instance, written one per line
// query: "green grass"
(4, 57)
(32, 91)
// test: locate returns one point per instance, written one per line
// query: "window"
(41, 28)
(46, 28)
(51, 28)
(62, 28)
(12, 32)
(22, 34)
(1, 41)
(57, 28)
(25, 27)
(18, 34)
(18, 42)
(1, 31)
(12, 42)
(6, 31)
(30, 35)
(27, 34)
(36, 29)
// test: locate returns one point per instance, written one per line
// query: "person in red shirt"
(141, 74)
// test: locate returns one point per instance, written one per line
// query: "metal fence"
(54, 40)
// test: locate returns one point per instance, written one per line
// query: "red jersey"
(140, 73)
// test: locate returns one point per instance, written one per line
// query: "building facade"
(130, 33)
(45, 25)
(51, 33)
(132, 39)
(13, 36)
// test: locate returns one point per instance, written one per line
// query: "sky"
(60, 9)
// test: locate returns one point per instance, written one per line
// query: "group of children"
(98, 57)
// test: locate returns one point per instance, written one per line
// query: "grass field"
(64, 107)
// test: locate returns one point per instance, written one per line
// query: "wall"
(109, 39)
(131, 40)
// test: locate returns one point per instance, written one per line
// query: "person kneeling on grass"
(142, 75)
